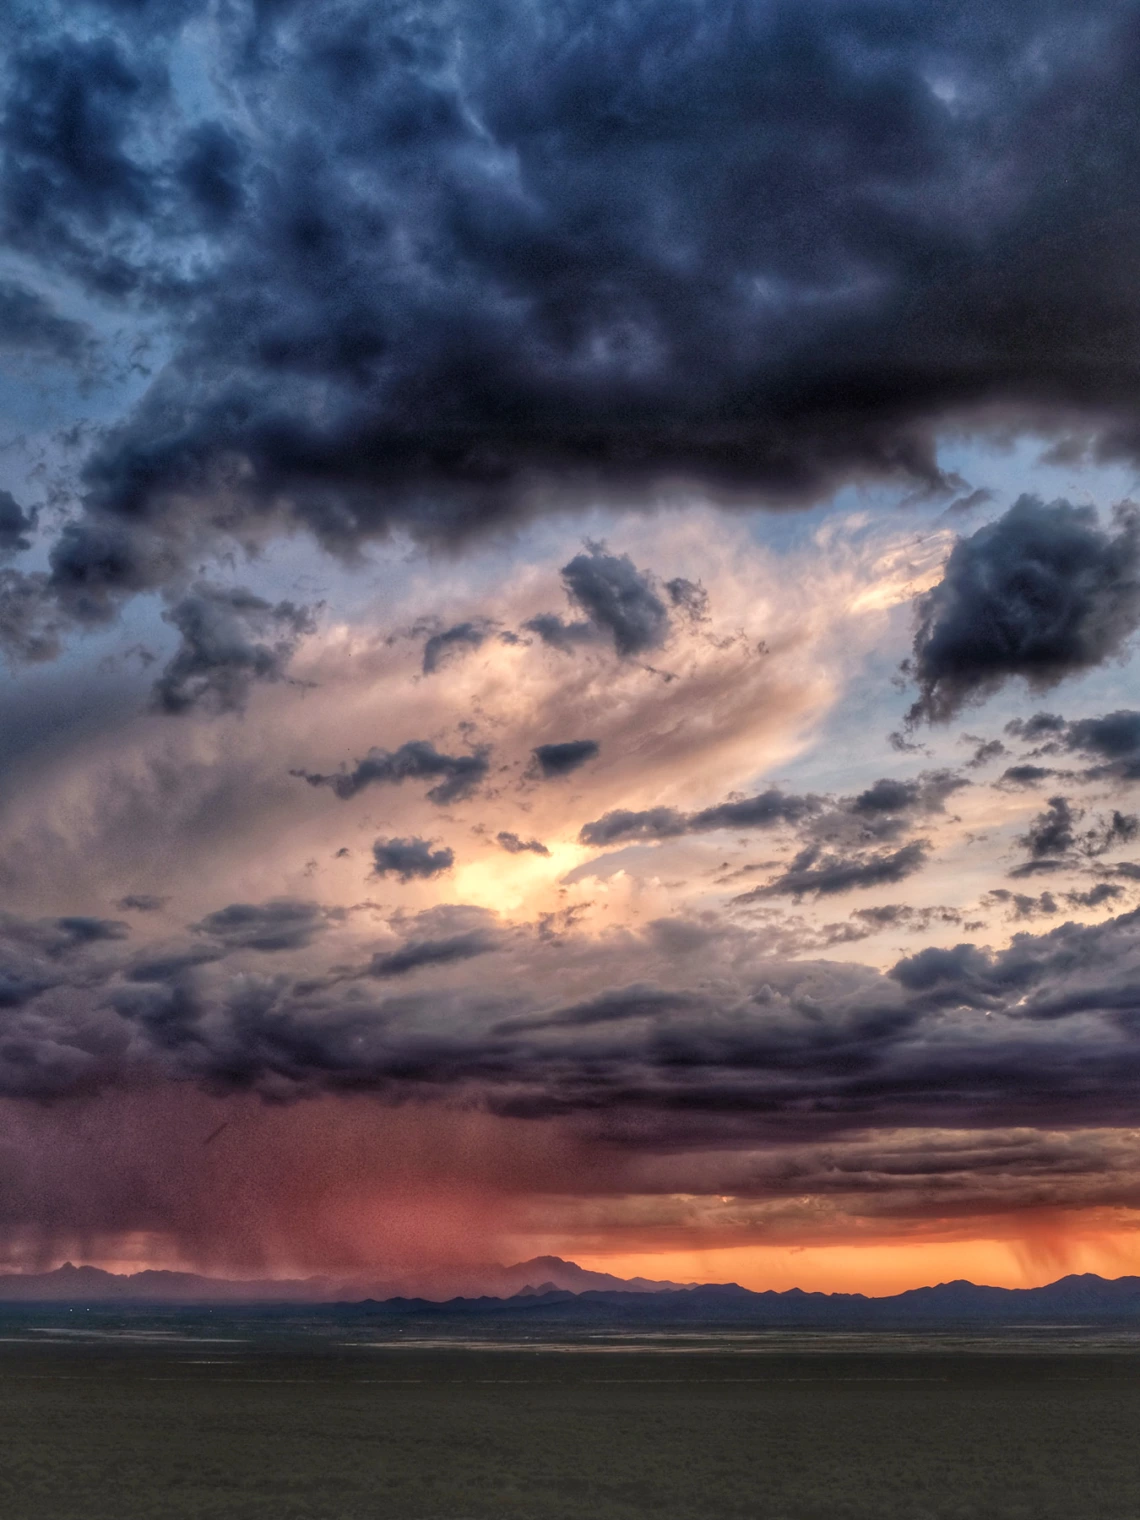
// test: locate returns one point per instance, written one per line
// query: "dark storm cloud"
(450, 266)
(1111, 742)
(763, 811)
(1095, 897)
(514, 844)
(618, 599)
(1043, 593)
(283, 923)
(926, 794)
(15, 526)
(824, 873)
(441, 646)
(681, 1023)
(1024, 775)
(882, 812)
(457, 777)
(561, 759)
(559, 634)
(440, 937)
(1052, 832)
(1054, 838)
(31, 629)
(408, 859)
(1044, 1033)
(1022, 905)
(986, 751)
(29, 325)
(230, 638)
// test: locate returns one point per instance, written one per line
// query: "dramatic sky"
(568, 591)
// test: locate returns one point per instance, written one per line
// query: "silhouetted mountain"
(1081, 1298)
(540, 1292)
(544, 1274)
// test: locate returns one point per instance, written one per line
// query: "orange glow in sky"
(885, 1268)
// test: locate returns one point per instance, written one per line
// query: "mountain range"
(72, 1284)
(554, 1291)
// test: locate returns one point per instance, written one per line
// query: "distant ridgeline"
(1079, 1298)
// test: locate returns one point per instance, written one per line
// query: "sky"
(569, 585)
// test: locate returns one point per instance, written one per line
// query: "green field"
(264, 1426)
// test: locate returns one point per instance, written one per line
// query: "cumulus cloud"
(712, 1035)
(560, 634)
(457, 777)
(1111, 742)
(552, 760)
(763, 811)
(1042, 593)
(16, 526)
(815, 870)
(449, 642)
(514, 844)
(1052, 832)
(441, 936)
(141, 902)
(230, 638)
(618, 599)
(280, 924)
(410, 859)
(422, 299)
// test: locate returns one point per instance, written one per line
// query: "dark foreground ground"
(121, 1418)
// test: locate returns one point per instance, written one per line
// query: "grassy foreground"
(200, 1430)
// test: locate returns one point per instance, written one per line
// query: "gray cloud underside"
(561, 759)
(441, 260)
(1111, 743)
(457, 777)
(684, 1019)
(410, 859)
(765, 810)
(1043, 593)
(882, 812)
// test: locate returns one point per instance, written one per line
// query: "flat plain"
(106, 1417)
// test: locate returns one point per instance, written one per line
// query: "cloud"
(417, 760)
(31, 628)
(410, 859)
(623, 825)
(618, 599)
(814, 870)
(559, 634)
(440, 937)
(30, 325)
(141, 902)
(1024, 775)
(1052, 839)
(1112, 742)
(280, 924)
(15, 526)
(689, 597)
(926, 794)
(515, 845)
(763, 811)
(561, 759)
(882, 811)
(1053, 831)
(1043, 593)
(987, 750)
(422, 299)
(440, 647)
(221, 654)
